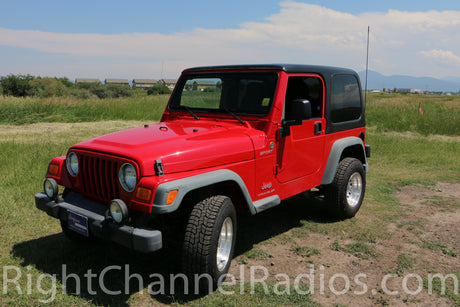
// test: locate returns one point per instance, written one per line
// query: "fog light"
(118, 211)
(51, 188)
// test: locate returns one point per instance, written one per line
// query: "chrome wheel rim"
(354, 189)
(224, 245)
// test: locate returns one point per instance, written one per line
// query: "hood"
(181, 145)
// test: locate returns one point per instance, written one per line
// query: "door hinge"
(276, 168)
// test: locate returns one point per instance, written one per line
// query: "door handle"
(318, 128)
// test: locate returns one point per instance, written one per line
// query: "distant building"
(402, 90)
(202, 85)
(87, 80)
(409, 91)
(143, 84)
(117, 81)
(170, 83)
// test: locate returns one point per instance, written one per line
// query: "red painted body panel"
(182, 145)
(60, 162)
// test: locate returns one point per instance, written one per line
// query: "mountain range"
(377, 81)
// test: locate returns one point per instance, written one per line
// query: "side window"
(309, 88)
(345, 99)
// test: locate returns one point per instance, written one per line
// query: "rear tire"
(346, 192)
(209, 242)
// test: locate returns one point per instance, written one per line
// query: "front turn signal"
(143, 194)
(53, 169)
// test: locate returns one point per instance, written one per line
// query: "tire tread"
(198, 235)
(336, 191)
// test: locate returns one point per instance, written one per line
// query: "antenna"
(367, 65)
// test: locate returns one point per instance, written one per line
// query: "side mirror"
(299, 109)
(296, 111)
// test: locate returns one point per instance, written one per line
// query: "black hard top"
(327, 72)
(289, 68)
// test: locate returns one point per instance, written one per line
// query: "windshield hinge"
(158, 166)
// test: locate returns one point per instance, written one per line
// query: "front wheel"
(346, 192)
(209, 242)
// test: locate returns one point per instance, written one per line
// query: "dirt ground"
(428, 236)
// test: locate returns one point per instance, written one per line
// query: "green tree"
(80, 93)
(16, 85)
(66, 82)
(47, 87)
(158, 89)
(88, 85)
(104, 90)
(118, 90)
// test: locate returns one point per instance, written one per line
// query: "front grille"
(100, 176)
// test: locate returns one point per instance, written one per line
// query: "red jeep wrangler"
(232, 139)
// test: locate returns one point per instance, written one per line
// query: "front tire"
(209, 241)
(346, 193)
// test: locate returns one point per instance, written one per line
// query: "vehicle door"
(301, 141)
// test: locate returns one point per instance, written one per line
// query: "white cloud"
(442, 56)
(299, 33)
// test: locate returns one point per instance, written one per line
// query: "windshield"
(241, 93)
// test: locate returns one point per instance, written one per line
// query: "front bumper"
(140, 239)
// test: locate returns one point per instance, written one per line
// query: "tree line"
(31, 86)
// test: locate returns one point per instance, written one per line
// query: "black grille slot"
(100, 177)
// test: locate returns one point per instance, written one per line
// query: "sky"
(158, 39)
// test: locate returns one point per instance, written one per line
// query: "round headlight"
(51, 188)
(128, 177)
(118, 210)
(72, 164)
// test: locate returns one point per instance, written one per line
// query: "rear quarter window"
(345, 99)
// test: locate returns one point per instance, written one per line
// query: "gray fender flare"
(334, 157)
(188, 184)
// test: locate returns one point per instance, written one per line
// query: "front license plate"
(77, 223)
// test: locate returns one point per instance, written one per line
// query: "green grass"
(335, 246)
(404, 157)
(306, 251)
(19, 111)
(271, 295)
(361, 250)
(258, 254)
(407, 149)
(446, 289)
(439, 201)
(405, 262)
(199, 99)
(439, 246)
(401, 113)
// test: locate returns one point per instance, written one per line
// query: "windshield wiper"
(190, 111)
(234, 115)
